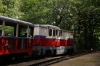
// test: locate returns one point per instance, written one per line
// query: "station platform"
(91, 59)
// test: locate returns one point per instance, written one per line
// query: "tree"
(10, 8)
(35, 11)
(87, 24)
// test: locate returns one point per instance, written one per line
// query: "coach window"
(50, 32)
(9, 29)
(22, 31)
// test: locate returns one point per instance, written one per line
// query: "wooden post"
(3, 28)
(17, 27)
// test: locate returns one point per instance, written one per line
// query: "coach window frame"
(10, 24)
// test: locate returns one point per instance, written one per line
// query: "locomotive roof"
(46, 25)
(67, 31)
(7, 19)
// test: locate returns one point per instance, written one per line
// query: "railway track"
(56, 60)
(35, 62)
(47, 60)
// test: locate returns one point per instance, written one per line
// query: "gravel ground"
(92, 59)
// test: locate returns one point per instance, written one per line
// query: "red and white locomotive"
(29, 39)
(51, 40)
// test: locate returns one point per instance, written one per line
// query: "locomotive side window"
(50, 32)
(60, 33)
(54, 32)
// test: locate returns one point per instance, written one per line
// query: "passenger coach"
(14, 38)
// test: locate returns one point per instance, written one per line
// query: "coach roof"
(7, 19)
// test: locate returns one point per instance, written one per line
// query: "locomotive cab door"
(40, 34)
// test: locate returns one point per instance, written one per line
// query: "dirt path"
(92, 59)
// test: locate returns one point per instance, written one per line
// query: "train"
(27, 40)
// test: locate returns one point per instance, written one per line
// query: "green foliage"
(9, 31)
(35, 11)
(87, 25)
(10, 8)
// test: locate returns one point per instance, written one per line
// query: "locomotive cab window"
(50, 32)
(56, 32)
